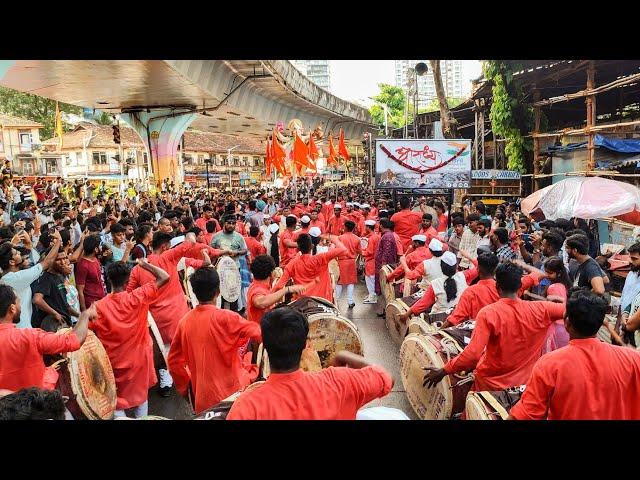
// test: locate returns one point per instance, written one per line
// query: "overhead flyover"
(162, 98)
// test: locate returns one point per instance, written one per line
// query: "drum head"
(310, 305)
(396, 328)
(435, 403)
(418, 326)
(330, 334)
(230, 281)
(187, 286)
(388, 289)
(89, 377)
(477, 409)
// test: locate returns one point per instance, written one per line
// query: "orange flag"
(342, 148)
(278, 154)
(313, 150)
(301, 153)
(331, 159)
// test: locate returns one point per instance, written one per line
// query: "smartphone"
(525, 236)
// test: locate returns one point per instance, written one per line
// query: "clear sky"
(359, 79)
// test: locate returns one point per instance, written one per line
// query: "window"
(200, 159)
(27, 168)
(144, 158)
(99, 158)
(25, 141)
(188, 159)
(51, 166)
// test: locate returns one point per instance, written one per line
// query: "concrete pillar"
(161, 133)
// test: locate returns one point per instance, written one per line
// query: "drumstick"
(158, 338)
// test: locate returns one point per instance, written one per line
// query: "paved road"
(378, 346)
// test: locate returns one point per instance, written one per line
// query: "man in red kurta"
(335, 393)
(307, 267)
(406, 222)
(419, 253)
(426, 227)
(21, 349)
(207, 216)
(335, 225)
(253, 245)
(169, 308)
(288, 246)
(507, 339)
(347, 263)
(204, 354)
(305, 225)
(484, 292)
(316, 221)
(122, 327)
(586, 380)
(369, 255)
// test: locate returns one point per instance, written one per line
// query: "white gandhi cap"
(305, 219)
(273, 228)
(435, 245)
(315, 231)
(371, 223)
(449, 258)
(419, 238)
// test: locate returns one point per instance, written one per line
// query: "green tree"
(103, 119)
(394, 98)
(435, 106)
(33, 107)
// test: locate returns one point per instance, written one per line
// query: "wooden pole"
(476, 134)
(591, 116)
(481, 147)
(536, 143)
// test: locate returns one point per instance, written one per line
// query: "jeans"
(370, 280)
(350, 288)
(139, 411)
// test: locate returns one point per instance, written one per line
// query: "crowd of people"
(85, 257)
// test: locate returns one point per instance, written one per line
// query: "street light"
(207, 162)
(419, 70)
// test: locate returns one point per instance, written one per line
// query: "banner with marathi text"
(423, 163)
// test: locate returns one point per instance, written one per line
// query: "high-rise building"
(318, 71)
(451, 71)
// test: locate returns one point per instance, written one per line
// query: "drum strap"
(449, 337)
(490, 399)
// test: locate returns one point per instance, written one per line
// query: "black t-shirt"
(586, 272)
(54, 291)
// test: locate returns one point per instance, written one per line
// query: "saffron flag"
(331, 159)
(278, 154)
(59, 131)
(342, 148)
(313, 150)
(301, 153)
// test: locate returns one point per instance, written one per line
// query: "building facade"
(451, 71)
(20, 144)
(318, 71)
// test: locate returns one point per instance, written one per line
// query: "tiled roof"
(11, 121)
(195, 141)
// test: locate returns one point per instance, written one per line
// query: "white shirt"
(631, 289)
(21, 282)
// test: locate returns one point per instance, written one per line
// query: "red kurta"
(480, 295)
(406, 225)
(586, 380)
(256, 289)
(430, 233)
(506, 342)
(370, 254)
(442, 222)
(347, 261)
(331, 394)
(171, 306)
(21, 350)
(255, 248)
(335, 225)
(287, 253)
(413, 259)
(306, 268)
(123, 330)
(327, 210)
(204, 352)
(318, 223)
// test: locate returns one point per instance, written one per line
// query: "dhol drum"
(188, 271)
(221, 410)
(230, 281)
(447, 399)
(418, 326)
(492, 405)
(329, 333)
(86, 377)
(395, 308)
(390, 290)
